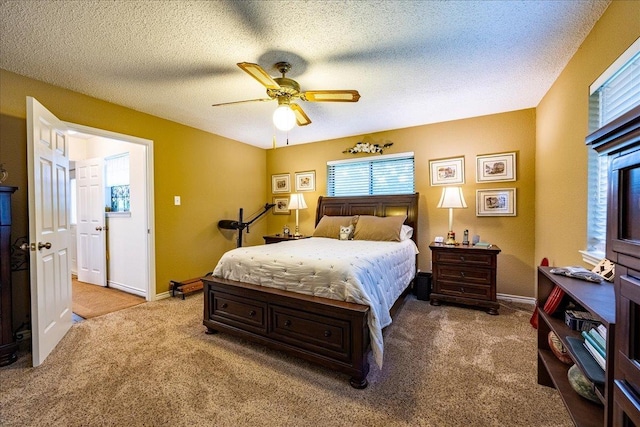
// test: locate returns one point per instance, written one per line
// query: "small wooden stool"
(185, 287)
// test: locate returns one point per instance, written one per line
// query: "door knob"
(44, 245)
(27, 246)
(98, 228)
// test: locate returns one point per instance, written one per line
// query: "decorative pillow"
(406, 232)
(558, 349)
(329, 226)
(346, 233)
(379, 228)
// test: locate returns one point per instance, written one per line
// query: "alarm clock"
(286, 230)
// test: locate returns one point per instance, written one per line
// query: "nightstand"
(465, 275)
(275, 238)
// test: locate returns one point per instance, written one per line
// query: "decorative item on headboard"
(366, 147)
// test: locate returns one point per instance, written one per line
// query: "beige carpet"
(153, 365)
(92, 300)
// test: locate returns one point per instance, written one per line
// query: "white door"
(91, 231)
(49, 203)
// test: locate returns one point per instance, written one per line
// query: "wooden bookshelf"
(598, 299)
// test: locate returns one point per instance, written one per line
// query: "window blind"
(386, 174)
(619, 93)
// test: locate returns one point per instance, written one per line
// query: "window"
(117, 183)
(613, 94)
(385, 174)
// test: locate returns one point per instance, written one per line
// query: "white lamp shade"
(297, 201)
(284, 118)
(452, 198)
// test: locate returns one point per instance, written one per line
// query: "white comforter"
(364, 272)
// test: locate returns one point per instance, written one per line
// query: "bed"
(316, 325)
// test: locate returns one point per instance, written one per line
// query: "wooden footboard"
(331, 333)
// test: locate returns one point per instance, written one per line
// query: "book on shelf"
(588, 338)
(602, 331)
(593, 332)
(596, 355)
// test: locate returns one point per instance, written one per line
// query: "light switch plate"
(176, 200)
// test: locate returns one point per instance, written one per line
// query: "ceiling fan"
(286, 90)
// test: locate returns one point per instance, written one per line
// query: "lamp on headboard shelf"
(297, 202)
(451, 198)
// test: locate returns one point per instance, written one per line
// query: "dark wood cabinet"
(598, 299)
(8, 346)
(620, 140)
(465, 275)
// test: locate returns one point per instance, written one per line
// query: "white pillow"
(406, 232)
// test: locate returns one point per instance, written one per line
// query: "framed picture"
(447, 171)
(496, 202)
(281, 206)
(496, 167)
(281, 183)
(305, 181)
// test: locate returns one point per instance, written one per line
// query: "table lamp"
(452, 198)
(297, 202)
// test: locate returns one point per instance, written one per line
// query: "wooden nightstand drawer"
(467, 257)
(236, 309)
(476, 276)
(464, 290)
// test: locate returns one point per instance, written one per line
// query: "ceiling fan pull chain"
(287, 138)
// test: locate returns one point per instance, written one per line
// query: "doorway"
(128, 235)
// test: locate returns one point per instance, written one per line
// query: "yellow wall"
(214, 176)
(561, 155)
(508, 132)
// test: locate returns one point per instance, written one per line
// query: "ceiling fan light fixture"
(284, 118)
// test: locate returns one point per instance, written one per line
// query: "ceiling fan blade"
(301, 117)
(242, 102)
(258, 73)
(331, 96)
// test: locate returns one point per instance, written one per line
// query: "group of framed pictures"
(281, 183)
(489, 168)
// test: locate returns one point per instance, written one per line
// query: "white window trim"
(616, 66)
(371, 159)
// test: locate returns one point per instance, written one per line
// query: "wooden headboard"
(391, 205)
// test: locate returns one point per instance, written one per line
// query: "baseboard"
(163, 295)
(516, 298)
(126, 288)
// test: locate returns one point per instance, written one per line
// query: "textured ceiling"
(413, 62)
